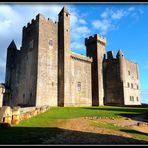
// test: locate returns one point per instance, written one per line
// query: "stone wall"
(121, 81)
(23, 72)
(26, 71)
(80, 80)
(47, 63)
(112, 84)
(1, 96)
(131, 84)
(16, 114)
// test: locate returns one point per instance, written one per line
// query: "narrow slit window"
(131, 85)
(79, 86)
(50, 43)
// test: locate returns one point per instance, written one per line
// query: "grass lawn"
(33, 130)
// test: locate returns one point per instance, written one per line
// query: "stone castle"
(46, 72)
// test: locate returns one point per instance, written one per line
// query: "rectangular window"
(132, 98)
(50, 42)
(129, 73)
(131, 85)
(128, 84)
(137, 99)
(79, 86)
(137, 87)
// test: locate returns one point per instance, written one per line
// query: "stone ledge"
(13, 116)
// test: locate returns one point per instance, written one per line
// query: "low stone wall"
(16, 114)
(1, 95)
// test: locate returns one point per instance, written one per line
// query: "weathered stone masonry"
(46, 72)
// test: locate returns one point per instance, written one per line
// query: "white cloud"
(105, 14)
(131, 9)
(110, 18)
(14, 17)
(103, 25)
(82, 30)
(79, 30)
(82, 21)
(77, 45)
(118, 14)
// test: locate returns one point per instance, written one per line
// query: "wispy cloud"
(103, 25)
(13, 18)
(79, 30)
(110, 18)
(118, 14)
(82, 21)
(78, 47)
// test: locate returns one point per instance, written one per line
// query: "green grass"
(32, 131)
(46, 119)
(135, 134)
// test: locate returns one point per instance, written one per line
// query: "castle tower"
(11, 51)
(95, 47)
(10, 72)
(63, 56)
(47, 70)
(120, 58)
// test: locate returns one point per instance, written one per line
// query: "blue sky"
(124, 25)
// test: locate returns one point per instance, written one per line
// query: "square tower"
(95, 47)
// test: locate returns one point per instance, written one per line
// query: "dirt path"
(82, 131)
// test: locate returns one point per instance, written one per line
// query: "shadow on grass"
(50, 135)
(134, 132)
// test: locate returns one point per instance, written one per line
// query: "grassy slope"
(43, 126)
(74, 112)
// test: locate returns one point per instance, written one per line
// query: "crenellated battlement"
(95, 38)
(39, 17)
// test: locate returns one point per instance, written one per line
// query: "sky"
(125, 27)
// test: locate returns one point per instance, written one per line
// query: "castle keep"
(46, 72)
